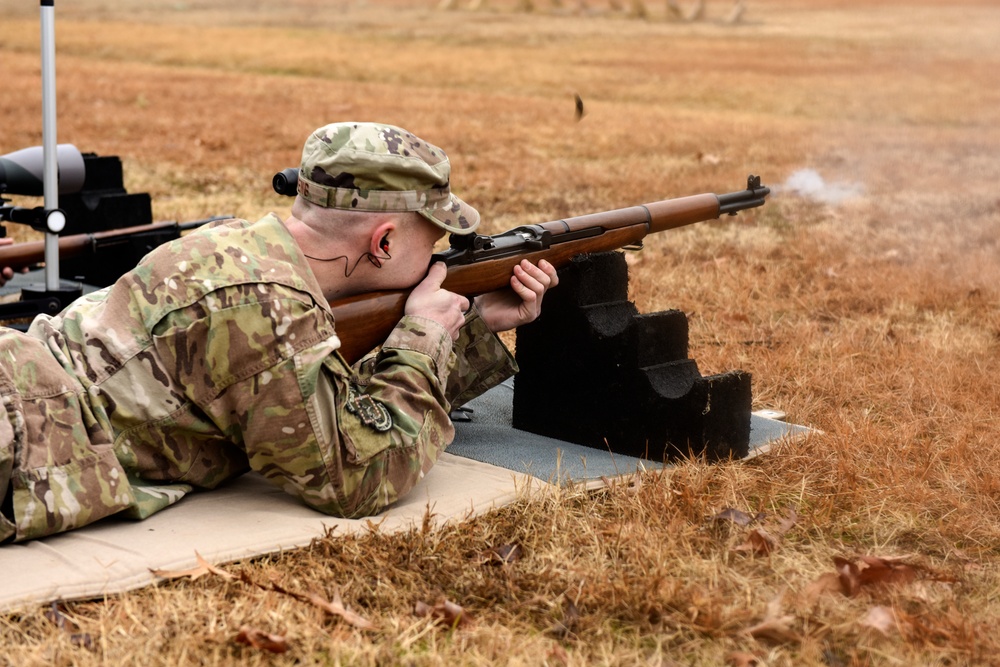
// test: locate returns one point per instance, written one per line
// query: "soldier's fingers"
(536, 278)
(550, 271)
(437, 273)
(543, 272)
(435, 276)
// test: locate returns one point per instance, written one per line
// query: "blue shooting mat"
(488, 437)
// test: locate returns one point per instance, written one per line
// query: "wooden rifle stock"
(479, 264)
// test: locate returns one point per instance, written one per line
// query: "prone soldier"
(218, 353)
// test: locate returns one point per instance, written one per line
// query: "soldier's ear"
(383, 235)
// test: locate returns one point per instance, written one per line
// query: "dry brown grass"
(875, 319)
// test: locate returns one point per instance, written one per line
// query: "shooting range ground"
(862, 298)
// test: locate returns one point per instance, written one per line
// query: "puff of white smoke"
(809, 184)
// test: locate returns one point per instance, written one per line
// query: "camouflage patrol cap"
(378, 167)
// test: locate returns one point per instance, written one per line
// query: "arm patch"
(372, 414)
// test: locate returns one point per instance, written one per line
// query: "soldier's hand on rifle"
(521, 303)
(6, 273)
(430, 301)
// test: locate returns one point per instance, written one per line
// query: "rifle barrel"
(21, 255)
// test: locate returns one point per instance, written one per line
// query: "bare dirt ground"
(863, 299)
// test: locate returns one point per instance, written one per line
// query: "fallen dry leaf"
(259, 639)
(872, 571)
(509, 553)
(64, 623)
(865, 571)
(502, 555)
(736, 516)
(776, 627)
(444, 612)
(777, 630)
(557, 655)
(876, 570)
(61, 620)
(567, 626)
(825, 583)
(758, 542)
(741, 659)
(203, 568)
(788, 521)
(848, 575)
(761, 541)
(336, 608)
(880, 618)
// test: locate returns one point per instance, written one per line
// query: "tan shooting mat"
(246, 518)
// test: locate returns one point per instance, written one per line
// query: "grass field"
(863, 298)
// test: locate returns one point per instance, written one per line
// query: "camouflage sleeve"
(346, 449)
(482, 361)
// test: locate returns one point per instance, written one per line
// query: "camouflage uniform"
(216, 355)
